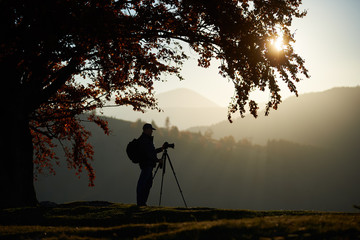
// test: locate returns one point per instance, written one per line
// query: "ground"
(104, 220)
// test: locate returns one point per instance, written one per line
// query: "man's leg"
(144, 185)
(148, 186)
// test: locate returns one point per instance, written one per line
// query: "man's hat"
(148, 125)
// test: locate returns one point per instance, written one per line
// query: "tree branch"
(60, 78)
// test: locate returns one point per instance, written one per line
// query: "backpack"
(133, 150)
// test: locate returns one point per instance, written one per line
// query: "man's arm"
(159, 150)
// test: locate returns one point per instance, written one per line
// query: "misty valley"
(307, 160)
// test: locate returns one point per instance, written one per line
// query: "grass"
(103, 220)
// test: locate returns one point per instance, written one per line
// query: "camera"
(168, 145)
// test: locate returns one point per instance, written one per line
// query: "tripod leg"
(162, 178)
(172, 168)
(156, 171)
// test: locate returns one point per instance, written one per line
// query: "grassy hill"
(105, 220)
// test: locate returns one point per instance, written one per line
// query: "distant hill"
(327, 119)
(185, 108)
(184, 98)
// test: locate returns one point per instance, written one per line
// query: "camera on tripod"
(165, 158)
(168, 145)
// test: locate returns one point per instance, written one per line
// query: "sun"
(278, 43)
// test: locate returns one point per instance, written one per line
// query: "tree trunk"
(16, 164)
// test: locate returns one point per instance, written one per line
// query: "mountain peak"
(184, 98)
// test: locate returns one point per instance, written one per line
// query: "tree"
(60, 59)
(167, 123)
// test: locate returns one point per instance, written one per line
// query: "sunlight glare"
(278, 43)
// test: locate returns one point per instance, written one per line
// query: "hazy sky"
(327, 38)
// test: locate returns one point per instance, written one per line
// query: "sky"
(327, 38)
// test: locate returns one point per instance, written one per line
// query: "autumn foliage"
(61, 121)
(65, 58)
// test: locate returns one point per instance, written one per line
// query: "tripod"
(164, 157)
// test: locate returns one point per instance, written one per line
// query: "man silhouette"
(147, 163)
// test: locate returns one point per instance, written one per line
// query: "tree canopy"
(60, 59)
